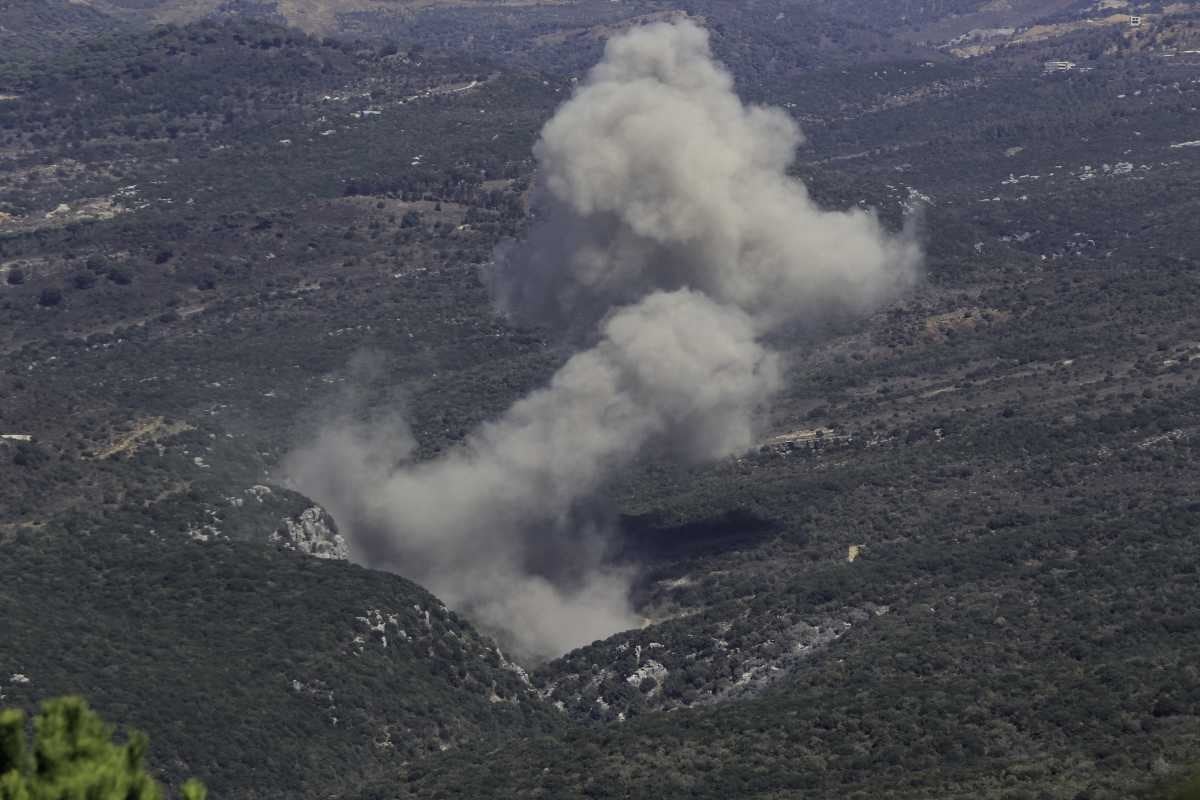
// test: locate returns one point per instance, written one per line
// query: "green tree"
(74, 757)
(1186, 790)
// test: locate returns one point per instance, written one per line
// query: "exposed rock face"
(737, 658)
(313, 532)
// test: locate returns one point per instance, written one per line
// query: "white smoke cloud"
(668, 222)
(659, 177)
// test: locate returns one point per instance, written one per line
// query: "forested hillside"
(958, 560)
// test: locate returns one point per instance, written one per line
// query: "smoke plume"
(658, 177)
(668, 228)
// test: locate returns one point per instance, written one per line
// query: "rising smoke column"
(667, 225)
(676, 367)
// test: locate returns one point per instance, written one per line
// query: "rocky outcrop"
(733, 659)
(313, 532)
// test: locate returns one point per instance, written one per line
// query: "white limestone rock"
(312, 532)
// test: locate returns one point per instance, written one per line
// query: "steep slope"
(269, 674)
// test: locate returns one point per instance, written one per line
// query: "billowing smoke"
(668, 227)
(658, 177)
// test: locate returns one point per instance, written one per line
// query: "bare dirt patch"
(144, 431)
(91, 209)
(939, 326)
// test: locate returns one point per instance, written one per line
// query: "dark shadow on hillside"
(646, 538)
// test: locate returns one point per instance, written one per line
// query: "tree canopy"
(74, 756)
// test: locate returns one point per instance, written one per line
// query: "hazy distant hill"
(777, 36)
(918, 20)
(943, 19)
(314, 16)
(781, 37)
(33, 28)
